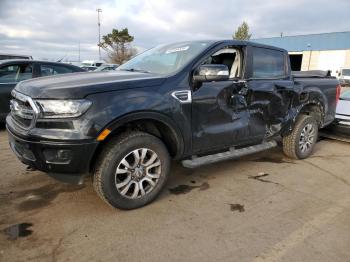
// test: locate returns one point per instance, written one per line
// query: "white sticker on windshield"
(178, 49)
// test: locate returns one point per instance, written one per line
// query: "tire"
(119, 175)
(299, 144)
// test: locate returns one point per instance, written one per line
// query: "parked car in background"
(344, 76)
(14, 56)
(92, 63)
(107, 67)
(341, 125)
(88, 68)
(200, 102)
(14, 71)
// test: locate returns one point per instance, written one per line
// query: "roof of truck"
(250, 43)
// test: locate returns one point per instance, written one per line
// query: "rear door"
(10, 75)
(270, 89)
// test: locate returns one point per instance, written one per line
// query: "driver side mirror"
(214, 72)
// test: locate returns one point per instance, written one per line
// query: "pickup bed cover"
(311, 73)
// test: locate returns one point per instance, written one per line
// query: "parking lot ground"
(264, 207)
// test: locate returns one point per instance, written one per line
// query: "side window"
(230, 57)
(8, 73)
(268, 63)
(25, 72)
(15, 73)
(49, 70)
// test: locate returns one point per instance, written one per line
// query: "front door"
(220, 115)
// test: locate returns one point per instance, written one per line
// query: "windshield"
(345, 95)
(165, 59)
(345, 72)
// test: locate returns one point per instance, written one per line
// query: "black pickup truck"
(199, 102)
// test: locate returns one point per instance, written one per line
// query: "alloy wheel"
(307, 138)
(138, 173)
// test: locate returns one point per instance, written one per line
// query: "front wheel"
(132, 170)
(300, 143)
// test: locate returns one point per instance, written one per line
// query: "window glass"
(15, 73)
(49, 70)
(8, 74)
(25, 72)
(346, 72)
(268, 63)
(227, 56)
(165, 59)
(345, 95)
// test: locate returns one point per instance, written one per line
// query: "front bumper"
(62, 157)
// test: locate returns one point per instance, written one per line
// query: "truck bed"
(312, 74)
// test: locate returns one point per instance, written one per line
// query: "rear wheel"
(300, 143)
(132, 170)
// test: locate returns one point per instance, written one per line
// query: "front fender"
(115, 109)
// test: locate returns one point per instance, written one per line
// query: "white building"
(328, 51)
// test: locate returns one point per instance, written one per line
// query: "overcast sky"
(53, 29)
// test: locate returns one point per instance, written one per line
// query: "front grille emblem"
(23, 109)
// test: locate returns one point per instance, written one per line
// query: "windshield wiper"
(135, 70)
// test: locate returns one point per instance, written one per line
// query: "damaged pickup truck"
(199, 102)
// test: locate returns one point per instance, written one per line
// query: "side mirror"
(208, 73)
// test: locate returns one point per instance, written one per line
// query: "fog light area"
(58, 156)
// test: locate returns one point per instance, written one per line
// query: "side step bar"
(231, 154)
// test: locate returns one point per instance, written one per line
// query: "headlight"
(63, 108)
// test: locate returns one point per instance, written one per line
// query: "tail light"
(337, 94)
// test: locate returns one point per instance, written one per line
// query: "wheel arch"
(311, 104)
(154, 123)
(315, 109)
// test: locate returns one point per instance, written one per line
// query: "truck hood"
(79, 85)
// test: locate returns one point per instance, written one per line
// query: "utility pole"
(79, 52)
(99, 10)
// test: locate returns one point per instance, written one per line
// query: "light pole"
(79, 52)
(99, 10)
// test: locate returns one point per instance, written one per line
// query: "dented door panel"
(270, 101)
(219, 119)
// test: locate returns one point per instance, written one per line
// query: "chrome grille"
(23, 110)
